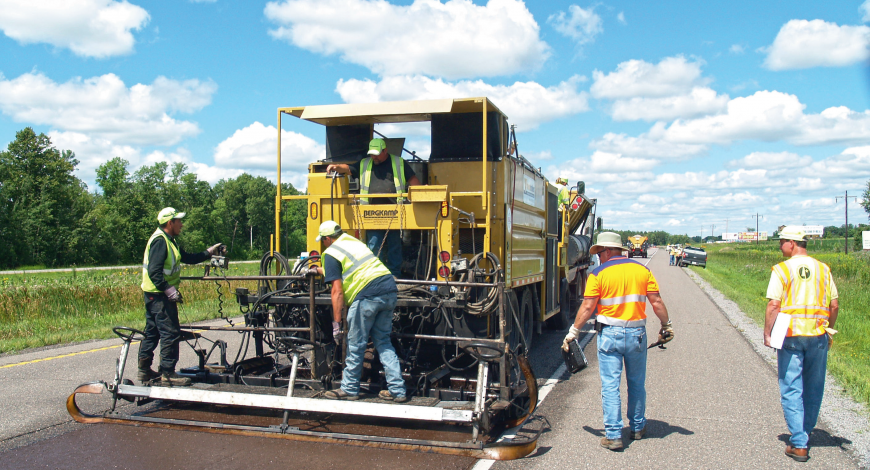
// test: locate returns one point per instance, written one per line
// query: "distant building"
(743, 236)
(812, 231)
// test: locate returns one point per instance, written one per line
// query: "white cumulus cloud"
(527, 104)
(454, 39)
(701, 101)
(637, 78)
(673, 88)
(104, 107)
(771, 160)
(578, 24)
(90, 28)
(803, 44)
(253, 148)
(649, 145)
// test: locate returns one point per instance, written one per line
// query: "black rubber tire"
(513, 336)
(561, 320)
(527, 316)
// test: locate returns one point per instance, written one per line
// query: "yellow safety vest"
(564, 196)
(807, 285)
(359, 266)
(171, 267)
(365, 176)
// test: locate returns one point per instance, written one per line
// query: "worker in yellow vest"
(620, 288)
(360, 281)
(161, 274)
(377, 177)
(802, 296)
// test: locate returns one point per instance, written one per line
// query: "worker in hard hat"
(802, 294)
(361, 282)
(564, 194)
(620, 288)
(378, 177)
(161, 275)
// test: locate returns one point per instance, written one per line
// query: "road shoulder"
(843, 415)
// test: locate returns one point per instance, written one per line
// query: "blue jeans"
(371, 317)
(391, 255)
(672, 260)
(801, 364)
(618, 345)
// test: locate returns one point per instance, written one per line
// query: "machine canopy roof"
(387, 112)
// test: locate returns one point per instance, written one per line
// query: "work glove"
(666, 334)
(173, 295)
(571, 336)
(217, 249)
(336, 332)
(313, 270)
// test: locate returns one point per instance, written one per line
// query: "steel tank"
(578, 249)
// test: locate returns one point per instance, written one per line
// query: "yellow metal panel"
(427, 193)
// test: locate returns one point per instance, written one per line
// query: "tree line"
(48, 217)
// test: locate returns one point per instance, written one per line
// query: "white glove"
(215, 249)
(571, 336)
(173, 295)
(336, 331)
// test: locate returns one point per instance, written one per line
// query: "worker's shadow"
(655, 429)
(820, 438)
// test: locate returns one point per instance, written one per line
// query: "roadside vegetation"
(741, 271)
(41, 309)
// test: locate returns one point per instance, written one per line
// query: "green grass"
(42, 309)
(742, 271)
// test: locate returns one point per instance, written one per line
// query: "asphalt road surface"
(712, 402)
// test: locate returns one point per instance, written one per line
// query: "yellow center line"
(62, 356)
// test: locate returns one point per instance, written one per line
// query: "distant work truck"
(637, 246)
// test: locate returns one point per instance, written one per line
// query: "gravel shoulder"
(847, 418)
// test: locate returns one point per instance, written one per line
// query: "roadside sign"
(866, 240)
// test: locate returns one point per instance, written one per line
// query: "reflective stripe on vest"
(365, 177)
(171, 266)
(622, 300)
(805, 295)
(359, 266)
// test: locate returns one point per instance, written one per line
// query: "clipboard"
(780, 329)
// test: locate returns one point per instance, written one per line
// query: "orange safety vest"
(807, 286)
(621, 286)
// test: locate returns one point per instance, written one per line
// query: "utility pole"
(756, 217)
(846, 198)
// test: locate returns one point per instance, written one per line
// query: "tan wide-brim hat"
(607, 240)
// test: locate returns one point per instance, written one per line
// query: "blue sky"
(678, 115)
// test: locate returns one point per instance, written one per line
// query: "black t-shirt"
(377, 288)
(382, 179)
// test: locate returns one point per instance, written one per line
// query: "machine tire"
(561, 320)
(513, 332)
(527, 316)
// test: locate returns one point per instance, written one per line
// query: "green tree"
(42, 202)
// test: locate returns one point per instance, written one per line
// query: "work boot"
(612, 444)
(171, 379)
(146, 373)
(638, 435)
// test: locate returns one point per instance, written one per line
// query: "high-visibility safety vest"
(359, 266)
(621, 286)
(807, 289)
(365, 177)
(564, 196)
(171, 267)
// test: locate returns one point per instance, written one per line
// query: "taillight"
(312, 211)
(444, 256)
(313, 254)
(444, 272)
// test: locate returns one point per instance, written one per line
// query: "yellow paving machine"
(488, 258)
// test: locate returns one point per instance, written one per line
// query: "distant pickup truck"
(693, 256)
